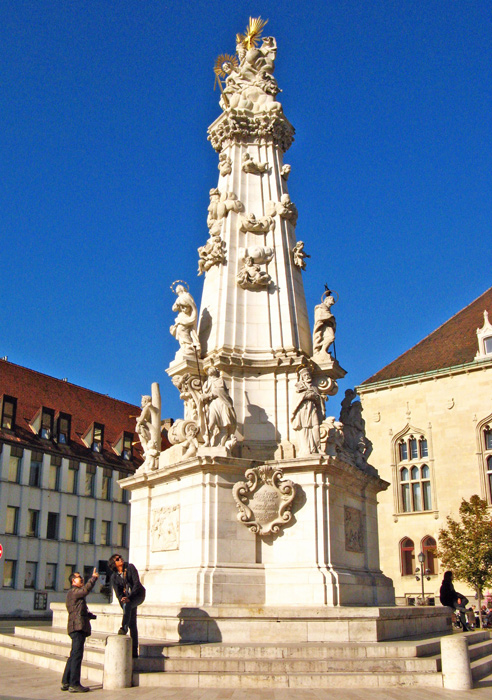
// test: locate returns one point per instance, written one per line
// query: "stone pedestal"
(190, 547)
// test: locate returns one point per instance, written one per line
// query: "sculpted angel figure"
(250, 223)
(251, 275)
(185, 323)
(287, 209)
(285, 171)
(324, 325)
(212, 253)
(221, 203)
(220, 414)
(308, 414)
(253, 166)
(225, 164)
(298, 255)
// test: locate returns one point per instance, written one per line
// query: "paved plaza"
(21, 681)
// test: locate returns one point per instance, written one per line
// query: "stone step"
(480, 649)
(287, 666)
(481, 667)
(90, 671)
(92, 654)
(294, 680)
(59, 634)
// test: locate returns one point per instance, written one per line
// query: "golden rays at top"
(252, 34)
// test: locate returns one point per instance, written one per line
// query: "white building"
(62, 450)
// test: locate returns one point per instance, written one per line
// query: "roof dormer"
(484, 337)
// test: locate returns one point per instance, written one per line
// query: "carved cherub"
(225, 164)
(212, 253)
(253, 166)
(249, 223)
(251, 276)
(286, 209)
(285, 171)
(221, 203)
(298, 255)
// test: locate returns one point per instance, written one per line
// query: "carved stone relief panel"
(165, 529)
(265, 500)
(354, 536)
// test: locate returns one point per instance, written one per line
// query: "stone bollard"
(456, 671)
(118, 662)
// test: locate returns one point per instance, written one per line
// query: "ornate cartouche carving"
(264, 501)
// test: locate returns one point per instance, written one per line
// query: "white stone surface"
(117, 662)
(456, 670)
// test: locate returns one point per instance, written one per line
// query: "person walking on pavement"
(448, 596)
(130, 593)
(79, 627)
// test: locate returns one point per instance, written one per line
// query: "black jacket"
(78, 614)
(128, 585)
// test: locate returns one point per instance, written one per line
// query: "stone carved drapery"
(299, 255)
(308, 414)
(325, 326)
(264, 500)
(184, 328)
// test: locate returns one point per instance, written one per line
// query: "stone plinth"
(191, 549)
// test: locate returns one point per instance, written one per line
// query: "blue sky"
(106, 168)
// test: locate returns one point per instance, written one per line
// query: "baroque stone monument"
(264, 502)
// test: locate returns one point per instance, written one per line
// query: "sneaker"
(78, 689)
(65, 686)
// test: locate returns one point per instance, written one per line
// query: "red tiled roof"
(34, 390)
(454, 343)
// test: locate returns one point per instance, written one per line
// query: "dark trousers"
(130, 621)
(71, 674)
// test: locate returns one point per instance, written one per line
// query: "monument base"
(195, 546)
(243, 624)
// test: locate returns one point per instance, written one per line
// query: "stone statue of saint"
(354, 429)
(308, 414)
(324, 325)
(148, 428)
(185, 323)
(220, 414)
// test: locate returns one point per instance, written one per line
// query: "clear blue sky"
(106, 168)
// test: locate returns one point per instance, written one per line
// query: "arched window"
(414, 476)
(485, 441)
(429, 551)
(489, 473)
(407, 557)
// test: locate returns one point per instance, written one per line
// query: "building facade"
(429, 417)
(62, 450)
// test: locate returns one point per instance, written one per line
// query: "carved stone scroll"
(264, 501)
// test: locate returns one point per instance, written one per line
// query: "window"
(407, 557)
(30, 574)
(52, 528)
(9, 571)
(488, 345)
(127, 452)
(90, 480)
(50, 577)
(89, 531)
(97, 437)
(88, 572)
(15, 464)
(36, 469)
(106, 484)
(47, 419)
(12, 520)
(106, 532)
(8, 412)
(73, 476)
(69, 569)
(63, 428)
(484, 437)
(55, 470)
(71, 528)
(121, 535)
(414, 478)
(429, 551)
(32, 523)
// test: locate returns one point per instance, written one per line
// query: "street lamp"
(425, 573)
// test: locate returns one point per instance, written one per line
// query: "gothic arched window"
(414, 477)
(407, 557)
(429, 551)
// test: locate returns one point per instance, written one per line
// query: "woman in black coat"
(448, 596)
(130, 593)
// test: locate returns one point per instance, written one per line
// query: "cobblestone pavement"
(21, 681)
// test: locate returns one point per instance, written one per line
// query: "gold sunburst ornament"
(253, 32)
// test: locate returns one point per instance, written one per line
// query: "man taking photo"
(79, 627)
